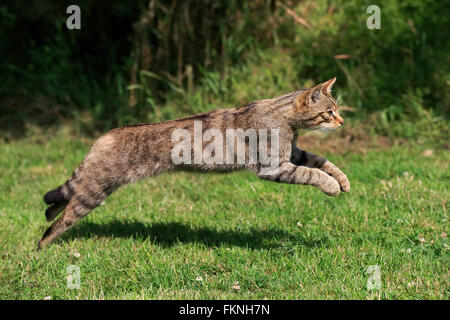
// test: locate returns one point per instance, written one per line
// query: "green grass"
(153, 239)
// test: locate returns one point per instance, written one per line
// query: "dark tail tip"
(54, 196)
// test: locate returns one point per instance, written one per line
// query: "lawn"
(230, 236)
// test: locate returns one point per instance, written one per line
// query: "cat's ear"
(314, 94)
(326, 86)
(308, 97)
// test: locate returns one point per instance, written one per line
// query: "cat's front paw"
(345, 184)
(337, 174)
(331, 187)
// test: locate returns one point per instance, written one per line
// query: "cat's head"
(316, 108)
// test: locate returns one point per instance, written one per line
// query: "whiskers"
(324, 131)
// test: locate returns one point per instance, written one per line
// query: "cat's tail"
(58, 199)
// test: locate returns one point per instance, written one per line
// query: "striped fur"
(129, 154)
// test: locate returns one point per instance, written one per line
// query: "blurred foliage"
(153, 60)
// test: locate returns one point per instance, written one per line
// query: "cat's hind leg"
(77, 208)
(58, 198)
(53, 211)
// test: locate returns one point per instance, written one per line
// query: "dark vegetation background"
(151, 60)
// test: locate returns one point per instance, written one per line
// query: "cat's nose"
(340, 120)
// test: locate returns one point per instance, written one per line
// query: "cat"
(128, 154)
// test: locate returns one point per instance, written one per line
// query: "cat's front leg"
(303, 158)
(288, 172)
(334, 171)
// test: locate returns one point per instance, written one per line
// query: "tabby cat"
(131, 153)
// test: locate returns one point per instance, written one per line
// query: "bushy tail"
(58, 199)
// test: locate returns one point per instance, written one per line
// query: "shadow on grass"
(172, 233)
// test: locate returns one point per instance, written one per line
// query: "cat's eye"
(331, 113)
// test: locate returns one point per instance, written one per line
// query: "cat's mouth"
(338, 121)
(329, 127)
